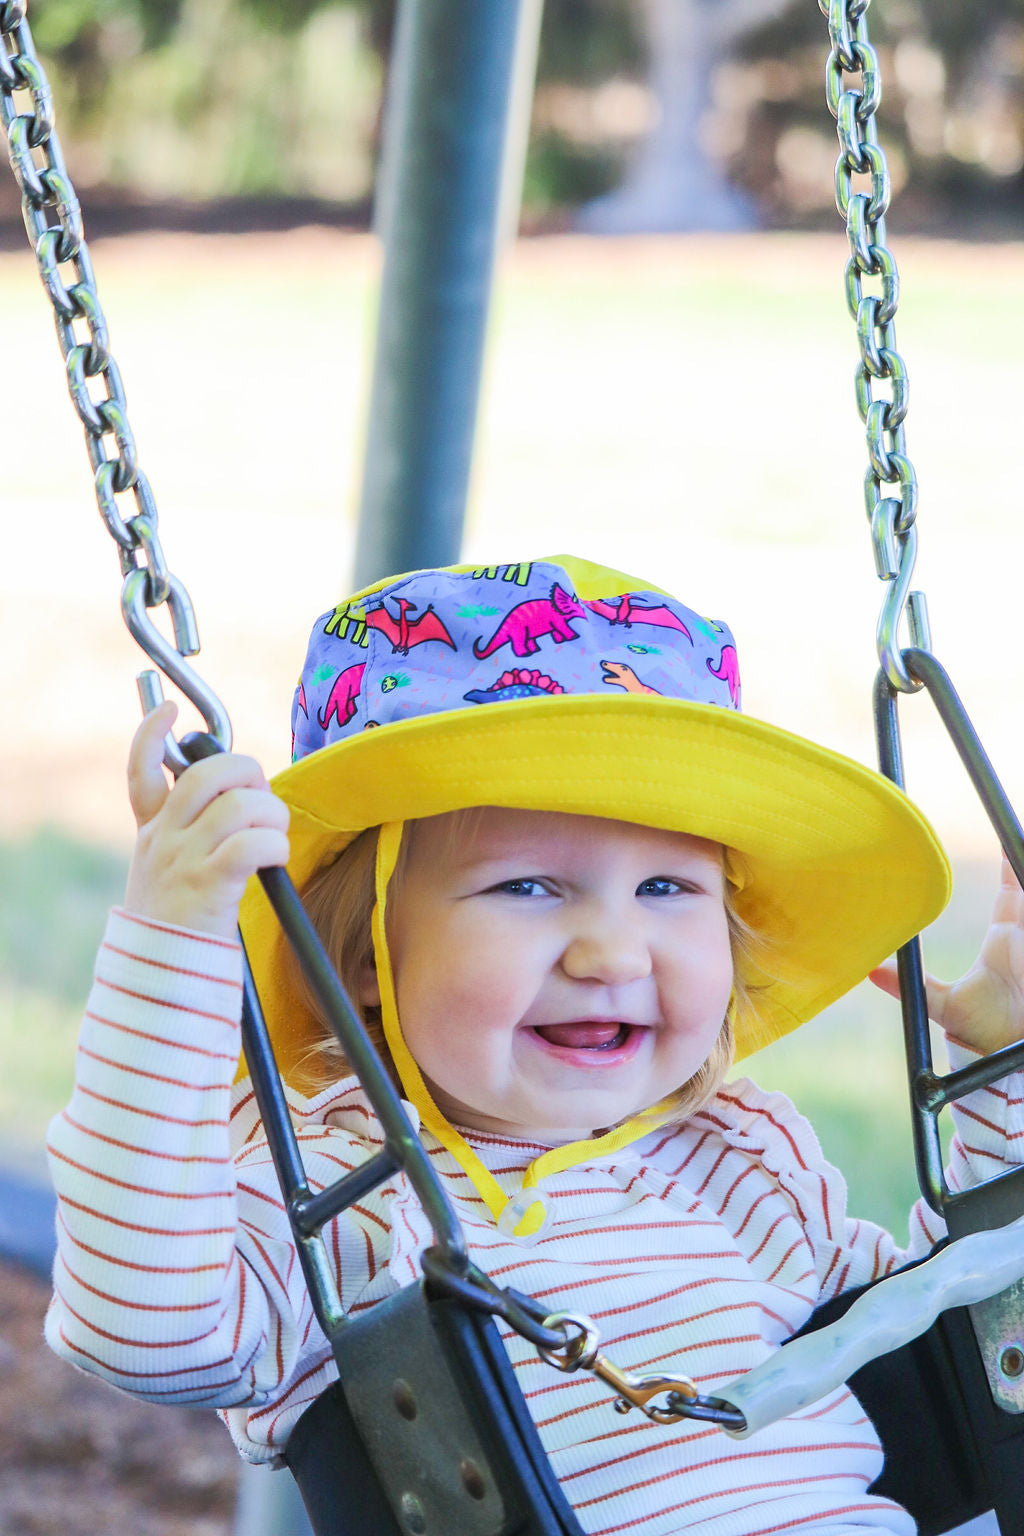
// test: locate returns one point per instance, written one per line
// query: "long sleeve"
(989, 1126)
(151, 1290)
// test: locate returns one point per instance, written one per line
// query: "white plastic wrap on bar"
(883, 1319)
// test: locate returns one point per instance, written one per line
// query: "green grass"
(53, 904)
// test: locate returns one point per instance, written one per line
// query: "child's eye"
(521, 886)
(659, 885)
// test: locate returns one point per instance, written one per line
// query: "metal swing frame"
(429, 1415)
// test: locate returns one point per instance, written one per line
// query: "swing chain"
(53, 221)
(890, 484)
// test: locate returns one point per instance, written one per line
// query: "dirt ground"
(77, 1458)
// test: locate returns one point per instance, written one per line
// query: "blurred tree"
(674, 184)
(204, 98)
(591, 64)
(709, 104)
(951, 119)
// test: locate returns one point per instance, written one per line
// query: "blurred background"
(202, 101)
(668, 387)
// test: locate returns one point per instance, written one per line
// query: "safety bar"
(308, 1212)
(888, 1316)
(930, 1092)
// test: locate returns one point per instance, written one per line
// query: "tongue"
(579, 1036)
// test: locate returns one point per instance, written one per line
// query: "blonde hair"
(340, 899)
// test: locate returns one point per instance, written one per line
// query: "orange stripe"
(164, 965)
(785, 1260)
(730, 1455)
(156, 1077)
(134, 1226)
(142, 1189)
(137, 1343)
(178, 1045)
(149, 1114)
(137, 1306)
(748, 1170)
(671, 1509)
(146, 1269)
(155, 927)
(128, 1146)
(828, 1273)
(299, 1381)
(259, 1194)
(151, 1375)
(766, 1195)
(787, 1216)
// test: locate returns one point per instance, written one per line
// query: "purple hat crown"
(440, 640)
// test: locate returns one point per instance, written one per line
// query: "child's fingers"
(1009, 902)
(147, 785)
(193, 875)
(240, 833)
(240, 855)
(235, 812)
(209, 780)
(886, 978)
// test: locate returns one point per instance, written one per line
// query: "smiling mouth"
(587, 1035)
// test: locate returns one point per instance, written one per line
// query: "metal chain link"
(53, 221)
(890, 484)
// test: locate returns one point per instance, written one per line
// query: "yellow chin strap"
(523, 1216)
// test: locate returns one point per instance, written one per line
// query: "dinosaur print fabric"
(441, 640)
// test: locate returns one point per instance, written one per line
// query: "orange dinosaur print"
(620, 676)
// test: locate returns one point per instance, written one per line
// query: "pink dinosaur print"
(728, 670)
(524, 624)
(528, 679)
(623, 610)
(344, 693)
(405, 632)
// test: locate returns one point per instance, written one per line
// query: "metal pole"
(449, 188)
(454, 123)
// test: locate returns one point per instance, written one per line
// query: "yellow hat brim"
(842, 867)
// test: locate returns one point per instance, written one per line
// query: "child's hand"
(985, 1008)
(199, 842)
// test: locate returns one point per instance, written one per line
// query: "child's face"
(556, 973)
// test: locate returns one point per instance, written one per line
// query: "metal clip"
(632, 1391)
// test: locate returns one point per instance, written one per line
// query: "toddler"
(565, 881)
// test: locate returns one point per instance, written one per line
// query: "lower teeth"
(613, 1045)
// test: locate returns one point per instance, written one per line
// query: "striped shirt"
(697, 1250)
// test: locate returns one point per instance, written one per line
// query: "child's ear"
(369, 986)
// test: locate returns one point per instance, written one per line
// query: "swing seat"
(427, 1419)
(950, 1453)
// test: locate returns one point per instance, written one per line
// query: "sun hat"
(562, 685)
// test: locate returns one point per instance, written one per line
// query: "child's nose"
(613, 951)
